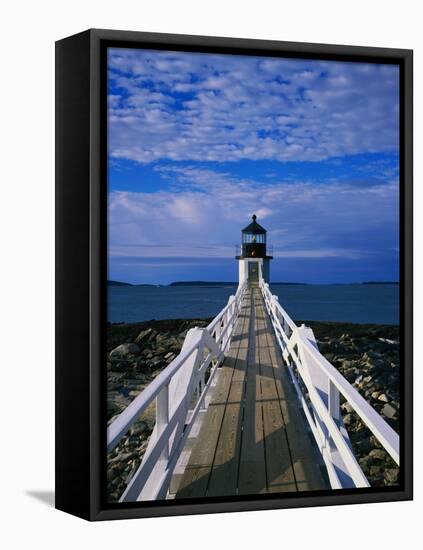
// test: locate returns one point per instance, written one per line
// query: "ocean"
(355, 303)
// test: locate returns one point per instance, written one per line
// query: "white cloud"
(196, 219)
(247, 108)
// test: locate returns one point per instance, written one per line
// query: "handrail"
(172, 410)
(386, 435)
(124, 421)
(325, 420)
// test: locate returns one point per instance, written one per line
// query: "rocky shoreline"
(137, 353)
(367, 355)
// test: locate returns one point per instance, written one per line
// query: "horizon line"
(188, 282)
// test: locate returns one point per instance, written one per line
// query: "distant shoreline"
(336, 327)
(233, 283)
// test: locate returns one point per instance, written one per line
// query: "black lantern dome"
(253, 241)
(254, 228)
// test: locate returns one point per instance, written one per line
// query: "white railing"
(319, 386)
(179, 391)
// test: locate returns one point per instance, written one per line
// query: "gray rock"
(133, 440)
(383, 398)
(124, 350)
(391, 476)
(389, 411)
(364, 445)
(139, 428)
(135, 381)
(375, 472)
(121, 366)
(143, 448)
(144, 336)
(347, 408)
(121, 457)
(377, 454)
(348, 419)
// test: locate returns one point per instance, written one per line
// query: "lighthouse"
(253, 260)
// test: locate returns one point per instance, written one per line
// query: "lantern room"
(254, 240)
(253, 259)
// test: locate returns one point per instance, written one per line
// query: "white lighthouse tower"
(253, 260)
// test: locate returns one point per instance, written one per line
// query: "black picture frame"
(81, 237)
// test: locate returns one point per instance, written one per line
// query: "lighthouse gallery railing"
(319, 386)
(179, 392)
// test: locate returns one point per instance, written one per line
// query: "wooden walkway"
(254, 437)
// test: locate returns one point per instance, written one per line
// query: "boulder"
(377, 454)
(347, 407)
(389, 411)
(391, 476)
(124, 350)
(364, 464)
(364, 445)
(144, 336)
(348, 419)
(375, 472)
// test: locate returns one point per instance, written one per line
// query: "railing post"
(333, 401)
(218, 330)
(229, 318)
(275, 301)
(162, 417)
(334, 408)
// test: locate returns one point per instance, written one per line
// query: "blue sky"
(200, 142)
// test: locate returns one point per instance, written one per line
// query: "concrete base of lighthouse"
(253, 270)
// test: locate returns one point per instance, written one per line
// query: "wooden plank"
(308, 474)
(279, 470)
(254, 436)
(224, 475)
(252, 469)
(196, 476)
(303, 450)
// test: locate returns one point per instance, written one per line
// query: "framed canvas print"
(234, 274)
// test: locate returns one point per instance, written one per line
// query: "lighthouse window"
(254, 238)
